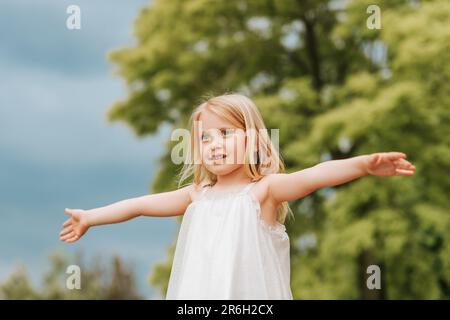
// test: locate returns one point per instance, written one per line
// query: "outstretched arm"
(162, 204)
(292, 186)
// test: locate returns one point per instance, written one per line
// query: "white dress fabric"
(225, 250)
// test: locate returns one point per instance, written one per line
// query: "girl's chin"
(217, 166)
(221, 169)
(218, 163)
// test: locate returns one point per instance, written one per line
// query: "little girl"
(232, 243)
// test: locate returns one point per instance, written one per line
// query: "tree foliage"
(99, 280)
(335, 89)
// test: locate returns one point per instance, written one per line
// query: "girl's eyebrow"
(221, 128)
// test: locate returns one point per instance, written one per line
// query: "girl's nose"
(217, 142)
(215, 148)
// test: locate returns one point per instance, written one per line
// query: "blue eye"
(205, 137)
(225, 132)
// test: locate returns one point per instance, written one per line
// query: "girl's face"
(222, 145)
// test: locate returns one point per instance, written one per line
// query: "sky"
(57, 149)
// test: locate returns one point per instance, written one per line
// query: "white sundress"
(225, 250)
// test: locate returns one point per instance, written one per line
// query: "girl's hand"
(389, 164)
(75, 227)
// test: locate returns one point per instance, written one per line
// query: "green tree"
(99, 280)
(18, 286)
(335, 89)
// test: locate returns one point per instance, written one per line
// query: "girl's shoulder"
(196, 189)
(261, 189)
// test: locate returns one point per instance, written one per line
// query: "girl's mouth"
(218, 156)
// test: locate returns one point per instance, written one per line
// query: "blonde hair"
(242, 112)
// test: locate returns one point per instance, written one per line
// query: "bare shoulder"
(195, 189)
(272, 185)
(261, 190)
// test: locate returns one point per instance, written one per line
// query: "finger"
(396, 155)
(407, 164)
(68, 235)
(68, 222)
(401, 161)
(404, 172)
(407, 169)
(66, 231)
(404, 164)
(68, 211)
(73, 239)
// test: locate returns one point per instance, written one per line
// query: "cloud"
(36, 34)
(56, 148)
(56, 119)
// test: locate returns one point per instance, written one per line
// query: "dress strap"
(203, 191)
(248, 187)
(204, 188)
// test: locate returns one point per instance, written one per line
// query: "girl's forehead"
(209, 121)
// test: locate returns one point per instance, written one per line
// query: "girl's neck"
(235, 178)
